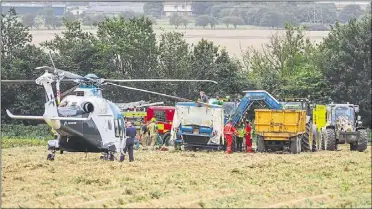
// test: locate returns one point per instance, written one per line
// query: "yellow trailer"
(279, 130)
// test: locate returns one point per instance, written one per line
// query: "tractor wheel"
(261, 144)
(305, 142)
(166, 138)
(362, 143)
(323, 135)
(295, 145)
(330, 140)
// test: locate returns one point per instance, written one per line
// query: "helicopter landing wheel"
(122, 157)
(50, 156)
(111, 157)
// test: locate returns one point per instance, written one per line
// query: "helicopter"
(85, 121)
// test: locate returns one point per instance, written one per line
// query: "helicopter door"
(118, 127)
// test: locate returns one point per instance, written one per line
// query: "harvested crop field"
(234, 40)
(187, 179)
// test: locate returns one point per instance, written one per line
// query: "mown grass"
(186, 179)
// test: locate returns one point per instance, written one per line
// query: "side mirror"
(359, 117)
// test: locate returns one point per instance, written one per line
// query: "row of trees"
(291, 66)
(314, 16)
(273, 14)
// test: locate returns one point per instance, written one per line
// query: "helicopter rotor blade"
(67, 74)
(159, 80)
(18, 81)
(147, 91)
(31, 81)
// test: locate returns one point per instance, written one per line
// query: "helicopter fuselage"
(103, 131)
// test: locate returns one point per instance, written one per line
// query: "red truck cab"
(164, 118)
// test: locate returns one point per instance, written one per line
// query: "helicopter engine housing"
(88, 107)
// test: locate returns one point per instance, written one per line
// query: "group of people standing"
(242, 132)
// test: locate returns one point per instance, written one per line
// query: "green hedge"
(20, 131)
(19, 142)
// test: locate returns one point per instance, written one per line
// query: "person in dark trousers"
(131, 132)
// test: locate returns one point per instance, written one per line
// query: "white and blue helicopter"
(85, 121)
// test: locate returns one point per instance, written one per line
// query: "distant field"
(187, 180)
(233, 40)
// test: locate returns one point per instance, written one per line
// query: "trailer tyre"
(306, 138)
(296, 145)
(260, 144)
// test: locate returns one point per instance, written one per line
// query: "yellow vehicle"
(280, 130)
(319, 121)
(137, 117)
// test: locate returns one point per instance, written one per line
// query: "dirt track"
(234, 40)
(186, 179)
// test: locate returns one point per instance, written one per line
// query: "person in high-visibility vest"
(229, 131)
(241, 133)
(248, 139)
(153, 130)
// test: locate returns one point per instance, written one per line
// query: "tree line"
(336, 70)
(316, 16)
(209, 14)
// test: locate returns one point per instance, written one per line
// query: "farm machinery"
(315, 119)
(202, 125)
(344, 126)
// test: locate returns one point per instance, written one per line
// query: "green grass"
(22, 142)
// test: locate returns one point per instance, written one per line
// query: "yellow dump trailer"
(279, 130)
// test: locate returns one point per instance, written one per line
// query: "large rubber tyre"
(323, 134)
(305, 142)
(261, 144)
(330, 140)
(166, 138)
(295, 145)
(362, 143)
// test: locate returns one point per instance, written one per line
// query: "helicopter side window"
(120, 129)
(116, 125)
(109, 125)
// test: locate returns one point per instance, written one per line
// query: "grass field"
(187, 179)
(234, 40)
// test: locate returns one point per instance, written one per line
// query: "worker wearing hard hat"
(229, 131)
(153, 130)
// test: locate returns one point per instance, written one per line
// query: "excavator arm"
(248, 100)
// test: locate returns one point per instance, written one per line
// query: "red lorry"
(164, 118)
